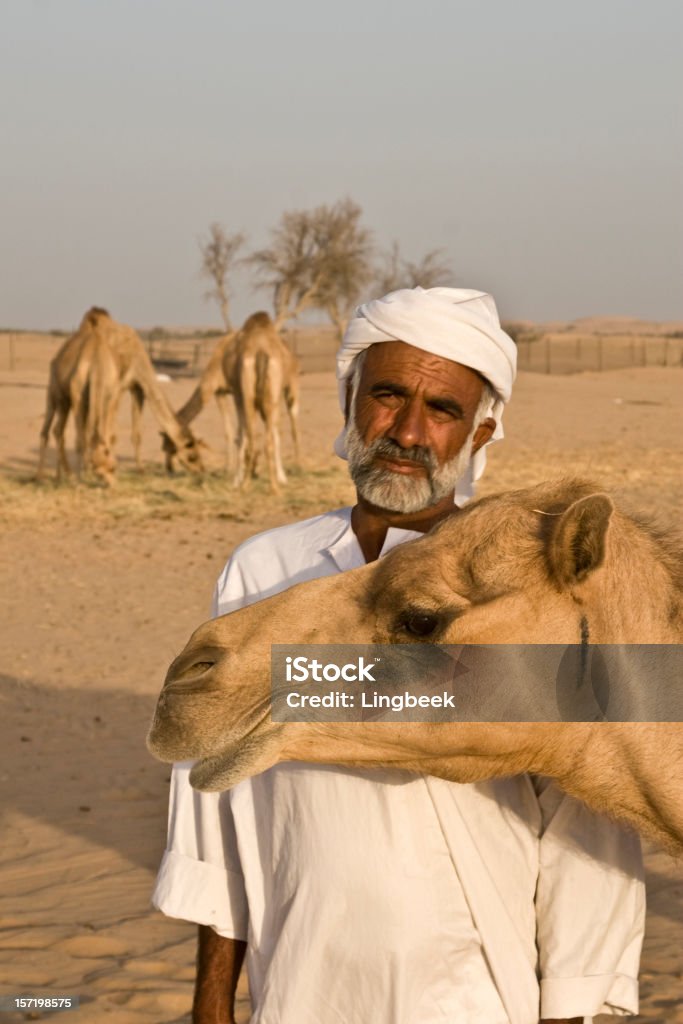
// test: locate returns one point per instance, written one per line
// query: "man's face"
(412, 430)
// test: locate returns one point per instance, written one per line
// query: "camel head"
(187, 449)
(103, 462)
(169, 449)
(551, 564)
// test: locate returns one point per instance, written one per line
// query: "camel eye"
(419, 623)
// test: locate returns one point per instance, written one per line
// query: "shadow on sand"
(76, 760)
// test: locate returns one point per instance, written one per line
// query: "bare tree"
(390, 276)
(396, 272)
(289, 267)
(317, 258)
(432, 271)
(345, 248)
(219, 259)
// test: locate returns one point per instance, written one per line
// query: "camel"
(84, 379)
(213, 383)
(230, 371)
(557, 563)
(136, 375)
(259, 370)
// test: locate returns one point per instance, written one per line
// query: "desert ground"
(100, 590)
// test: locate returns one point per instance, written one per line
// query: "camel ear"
(577, 546)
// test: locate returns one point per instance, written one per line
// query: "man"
(385, 897)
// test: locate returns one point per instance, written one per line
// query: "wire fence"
(186, 357)
(181, 356)
(563, 353)
(543, 354)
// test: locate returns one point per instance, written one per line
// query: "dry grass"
(655, 484)
(156, 496)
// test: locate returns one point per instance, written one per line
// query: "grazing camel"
(84, 379)
(213, 383)
(136, 375)
(553, 564)
(218, 381)
(259, 371)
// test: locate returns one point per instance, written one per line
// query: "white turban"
(455, 323)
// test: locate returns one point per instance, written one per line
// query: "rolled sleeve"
(204, 893)
(200, 878)
(607, 993)
(590, 904)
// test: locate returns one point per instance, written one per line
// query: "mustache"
(383, 446)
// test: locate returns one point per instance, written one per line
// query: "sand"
(99, 590)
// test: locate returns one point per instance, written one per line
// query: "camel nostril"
(188, 676)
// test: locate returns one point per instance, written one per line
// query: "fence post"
(547, 353)
(11, 351)
(600, 363)
(643, 353)
(666, 352)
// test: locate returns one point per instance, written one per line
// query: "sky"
(540, 144)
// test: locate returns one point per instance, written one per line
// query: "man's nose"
(409, 426)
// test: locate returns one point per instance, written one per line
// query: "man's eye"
(440, 413)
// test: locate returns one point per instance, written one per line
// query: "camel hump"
(94, 315)
(256, 321)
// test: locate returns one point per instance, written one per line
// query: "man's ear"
(577, 545)
(483, 433)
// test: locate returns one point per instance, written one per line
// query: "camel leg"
(271, 440)
(239, 469)
(280, 474)
(246, 414)
(45, 435)
(247, 452)
(63, 467)
(270, 412)
(110, 430)
(137, 399)
(242, 445)
(224, 407)
(83, 452)
(292, 404)
(244, 461)
(276, 471)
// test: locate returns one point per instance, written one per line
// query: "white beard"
(397, 492)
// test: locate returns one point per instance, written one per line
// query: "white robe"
(392, 898)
